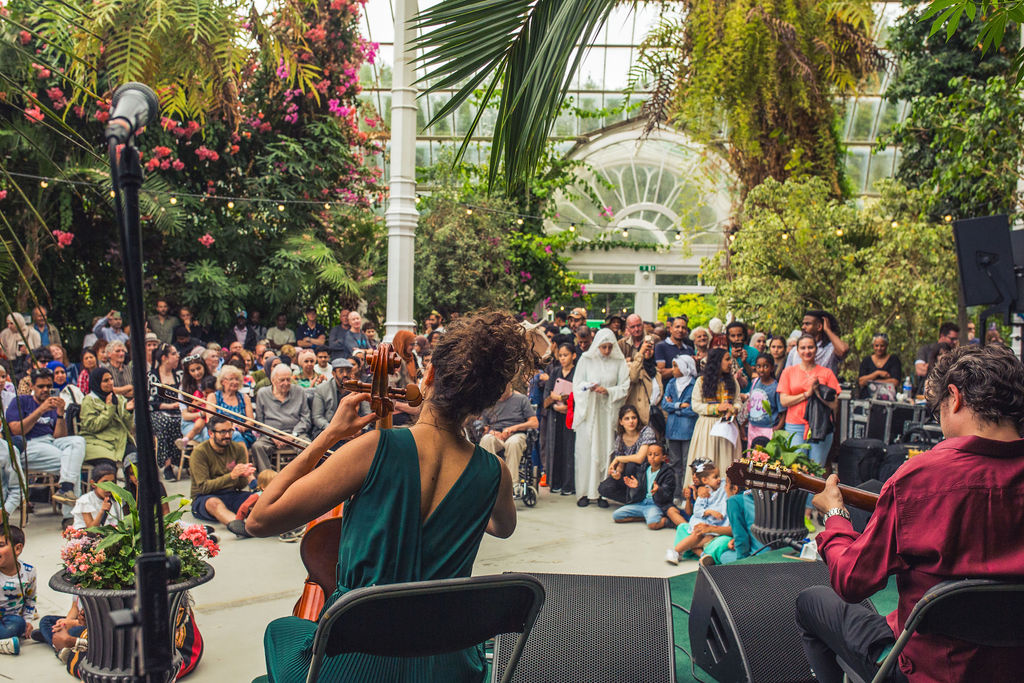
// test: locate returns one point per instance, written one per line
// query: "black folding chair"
(978, 611)
(429, 618)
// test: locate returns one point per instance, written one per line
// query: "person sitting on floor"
(708, 512)
(17, 592)
(97, 507)
(222, 477)
(949, 513)
(650, 494)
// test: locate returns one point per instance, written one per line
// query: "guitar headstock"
(753, 475)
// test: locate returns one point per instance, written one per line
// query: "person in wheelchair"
(506, 424)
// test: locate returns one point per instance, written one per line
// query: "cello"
(319, 546)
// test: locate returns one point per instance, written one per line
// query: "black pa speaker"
(985, 257)
(859, 460)
(743, 621)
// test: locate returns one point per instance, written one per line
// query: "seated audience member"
(312, 333)
(162, 323)
(211, 356)
(505, 427)
(97, 508)
(39, 358)
(735, 541)
(194, 327)
(184, 341)
(283, 407)
(17, 331)
(336, 337)
(881, 373)
(632, 439)
(39, 417)
(949, 513)
(709, 512)
(66, 389)
(105, 424)
(152, 344)
(222, 477)
(329, 393)
(280, 334)
(242, 333)
(308, 376)
(323, 362)
(193, 422)
(85, 366)
(164, 413)
(120, 369)
(62, 632)
(650, 494)
(17, 592)
(355, 339)
(230, 399)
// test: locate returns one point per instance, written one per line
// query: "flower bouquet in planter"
(99, 568)
(780, 452)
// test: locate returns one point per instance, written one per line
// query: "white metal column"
(401, 214)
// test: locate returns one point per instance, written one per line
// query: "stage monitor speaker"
(985, 258)
(599, 629)
(743, 621)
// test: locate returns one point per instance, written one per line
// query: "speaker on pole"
(743, 621)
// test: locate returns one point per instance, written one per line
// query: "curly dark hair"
(475, 360)
(712, 375)
(990, 379)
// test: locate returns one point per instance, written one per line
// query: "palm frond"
(525, 51)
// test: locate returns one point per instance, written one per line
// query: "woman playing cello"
(418, 500)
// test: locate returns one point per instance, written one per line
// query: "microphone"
(134, 106)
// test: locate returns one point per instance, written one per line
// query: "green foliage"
(758, 81)
(698, 309)
(994, 20)
(780, 449)
(965, 148)
(884, 268)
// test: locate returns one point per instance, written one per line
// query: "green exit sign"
(648, 269)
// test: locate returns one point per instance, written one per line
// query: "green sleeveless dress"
(384, 541)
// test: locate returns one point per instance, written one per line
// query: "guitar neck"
(860, 499)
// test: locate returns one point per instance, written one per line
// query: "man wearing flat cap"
(327, 395)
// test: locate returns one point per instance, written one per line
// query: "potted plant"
(99, 568)
(779, 517)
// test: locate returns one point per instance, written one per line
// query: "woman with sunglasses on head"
(880, 372)
(165, 414)
(193, 422)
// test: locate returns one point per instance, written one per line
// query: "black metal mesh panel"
(761, 599)
(596, 629)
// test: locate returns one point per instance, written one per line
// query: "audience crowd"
(646, 416)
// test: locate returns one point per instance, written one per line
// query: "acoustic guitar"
(749, 474)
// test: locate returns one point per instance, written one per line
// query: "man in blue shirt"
(665, 352)
(39, 417)
(312, 333)
(110, 328)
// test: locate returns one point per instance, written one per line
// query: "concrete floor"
(259, 580)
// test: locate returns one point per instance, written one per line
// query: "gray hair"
(281, 369)
(116, 344)
(227, 372)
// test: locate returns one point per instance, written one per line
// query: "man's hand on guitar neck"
(830, 497)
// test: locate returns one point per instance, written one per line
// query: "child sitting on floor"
(97, 508)
(708, 511)
(17, 593)
(650, 493)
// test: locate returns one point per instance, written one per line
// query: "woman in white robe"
(600, 385)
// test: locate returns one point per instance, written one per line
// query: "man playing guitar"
(953, 512)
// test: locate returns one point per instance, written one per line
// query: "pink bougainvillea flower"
(3, 195)
(547, 249)
(63, 238)
(207, 240)
(34, 114)
(178, 165)
(607, 212)
(24, 37)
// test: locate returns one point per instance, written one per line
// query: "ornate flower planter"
(111, 653)
(779, 517)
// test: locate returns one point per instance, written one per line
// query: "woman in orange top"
(797, 384)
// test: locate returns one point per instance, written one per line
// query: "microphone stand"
(150, 617)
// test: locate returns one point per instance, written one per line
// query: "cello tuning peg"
(412, 395)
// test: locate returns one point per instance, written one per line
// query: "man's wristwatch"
(842, 512)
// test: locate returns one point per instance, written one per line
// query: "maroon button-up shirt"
(954, 512)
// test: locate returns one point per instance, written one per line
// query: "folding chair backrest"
(978, 611)
(429, 617)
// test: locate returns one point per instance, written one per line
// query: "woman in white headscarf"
(680, 418)
(601, 383)
(17, 331)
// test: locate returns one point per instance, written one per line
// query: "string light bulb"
(231, 205)
(572, 227)
(839, 232)
(519, 221)
(679, 235)
(947, 218)
(173, 201)
(895, 224)
(43, 184)
(113, 194)
(785, 235)
(280, 207)
(469, 212)
(327, 206)
(625, 233)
